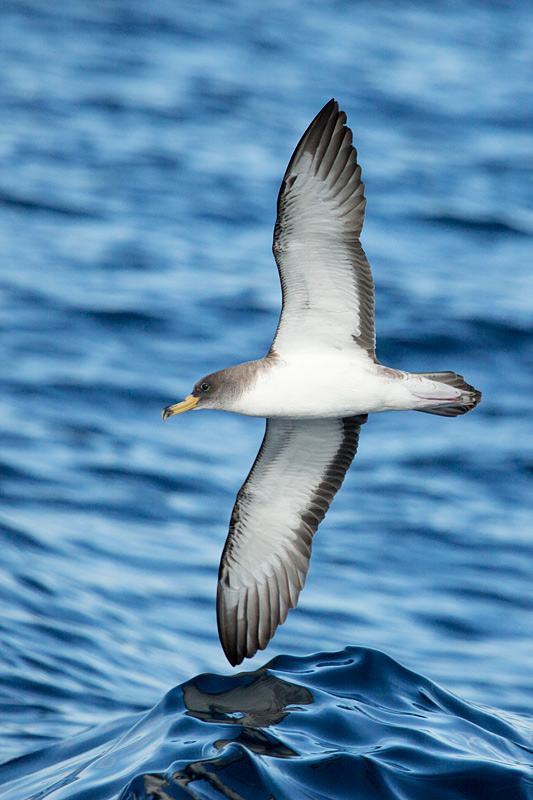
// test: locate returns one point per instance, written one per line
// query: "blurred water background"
(141, 151)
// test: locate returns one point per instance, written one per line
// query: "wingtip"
(230, 648)
(227, 624)
(233, 659)
(240, 636)
(314, 131)
(330, 109)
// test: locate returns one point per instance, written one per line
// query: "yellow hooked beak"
(179, 408)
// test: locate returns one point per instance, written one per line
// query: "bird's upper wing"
(328, 292)
(299, 468)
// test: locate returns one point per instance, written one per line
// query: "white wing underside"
(328, 292)
(299, 468)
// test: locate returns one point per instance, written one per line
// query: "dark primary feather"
(299, 468)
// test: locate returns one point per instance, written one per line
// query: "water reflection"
(259, 700)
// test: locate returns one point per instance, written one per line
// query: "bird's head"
(217, 390)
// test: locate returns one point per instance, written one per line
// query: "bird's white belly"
(325, 385)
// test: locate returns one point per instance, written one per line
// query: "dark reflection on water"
(258, 702)
(330, 725)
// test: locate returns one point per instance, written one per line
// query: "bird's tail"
(439, 401)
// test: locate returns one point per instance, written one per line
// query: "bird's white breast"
(323, 384)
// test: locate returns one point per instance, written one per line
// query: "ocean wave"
(331, 725)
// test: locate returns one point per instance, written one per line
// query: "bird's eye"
(204, 386)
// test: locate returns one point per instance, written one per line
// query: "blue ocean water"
(141, 149)
(331, 725)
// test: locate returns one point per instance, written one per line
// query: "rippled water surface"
(141, 148)
(331, 725)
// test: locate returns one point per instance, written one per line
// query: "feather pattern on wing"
(328, 291)
(298, 470)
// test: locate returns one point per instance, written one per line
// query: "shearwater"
(316, 387)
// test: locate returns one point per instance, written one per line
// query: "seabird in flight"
(316, 387)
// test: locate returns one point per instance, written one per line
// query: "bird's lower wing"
(299, 468)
